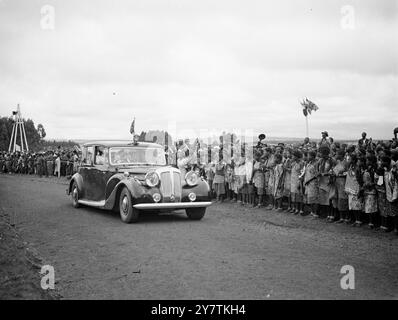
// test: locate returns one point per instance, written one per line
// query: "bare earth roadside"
(233, 253)
(20, 266)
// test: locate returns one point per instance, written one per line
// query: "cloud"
(205, 65)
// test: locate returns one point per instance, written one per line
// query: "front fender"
(79, 181)
(117, 183)
(202, 191)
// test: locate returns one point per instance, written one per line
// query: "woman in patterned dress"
(258, 178)
(265, 157)
(241, 180)
(235, 176)
(249, 197)
(369, 186)
(311, 183)
(270, 164)
(391, 183)
(278, 182)
(381, 193)
(340, 201)
(295, 182)
(287, 168)
(219, 180)
(209, 171)
(325, 166)
(353, 189)
(229, 181)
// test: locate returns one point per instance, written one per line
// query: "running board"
(96, 204)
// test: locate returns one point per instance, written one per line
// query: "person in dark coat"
(50, 164)
(39, 165)
(363, 142)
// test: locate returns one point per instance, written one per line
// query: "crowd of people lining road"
(59, 163)
(343, 183)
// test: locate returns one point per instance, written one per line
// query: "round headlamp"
(192, 178)
(152, 179)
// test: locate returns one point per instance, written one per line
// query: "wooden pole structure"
(14, 143)
(26, 141)
(12, 138)
(18, 126)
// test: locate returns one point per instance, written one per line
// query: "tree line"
(34, 134)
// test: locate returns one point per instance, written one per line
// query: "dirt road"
(233, 253)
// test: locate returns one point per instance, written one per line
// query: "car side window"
(84, 155)
(101, 156)
(89, 156)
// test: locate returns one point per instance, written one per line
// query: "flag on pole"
(132, 129)
(308, 107)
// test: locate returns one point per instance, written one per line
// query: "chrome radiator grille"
(170, 185)
(177, 185)
(166, 184)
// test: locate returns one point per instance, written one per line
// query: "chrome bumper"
(171, 205)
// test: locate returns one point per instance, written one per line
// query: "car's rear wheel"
(128, 214)
(75, 195)
(195, 213)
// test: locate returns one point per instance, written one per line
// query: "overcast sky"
(205, 64)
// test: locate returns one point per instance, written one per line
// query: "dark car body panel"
(101, 185)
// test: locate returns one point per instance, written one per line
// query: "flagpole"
(306, 126)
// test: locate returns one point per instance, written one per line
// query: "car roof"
(120, 143)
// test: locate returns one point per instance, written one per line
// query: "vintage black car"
(132, 178)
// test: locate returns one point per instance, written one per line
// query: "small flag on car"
(132, 129)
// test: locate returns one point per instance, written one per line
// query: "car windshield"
(137, 156)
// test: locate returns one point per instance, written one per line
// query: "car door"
(99, 174)
(85, 171)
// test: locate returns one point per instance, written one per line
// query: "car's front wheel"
(75, 195)
(195, 213)
(128, 214)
